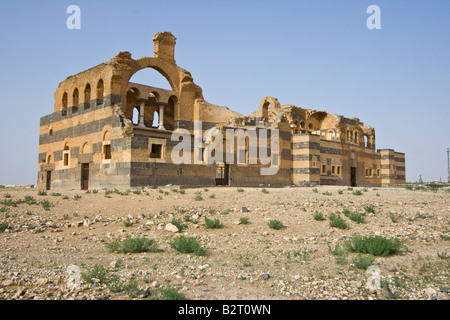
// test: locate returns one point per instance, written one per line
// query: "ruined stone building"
(91, 141)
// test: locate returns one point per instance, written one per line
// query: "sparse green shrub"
(3, 227)
(336, 221)
(137, 191)
(369, 209)
(30, 200)
(213, 223)
(339, 253)
(127, 223)
(374, 245)
(315, 190)
(265, 191)
(394, 217)
(243, 220)
(327, 193)
(76, 197)
(445, 237)
(357, 193)
(133, 245)
(275, 224)
(362, 262)
(95, 191)
(354, 216)
(168, 293)
(319, 216)
(42, 193)
(178, 224)
(98, 272)
(340, 191)
(46, 204)
(187, 245)
(240, 190)
(198, 197)
(7, 195)
(206, 189)
(443, 255)
(212, 196)
(182, 191)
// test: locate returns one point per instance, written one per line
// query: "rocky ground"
(44, 236)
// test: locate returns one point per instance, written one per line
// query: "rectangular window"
(333, 170)
(107, 151)
(367, 172)
(156, 151)
(338, 170)
(324, 168)
(378, 172)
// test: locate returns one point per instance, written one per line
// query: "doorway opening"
(84, 176)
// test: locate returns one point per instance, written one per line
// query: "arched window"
(66, 155)
(87, 96)
(135, 118)
(356, 137)
(64, 103)
(155, 123)
(330, 135)
(75, 97)
(100, 92)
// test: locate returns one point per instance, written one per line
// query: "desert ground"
(43, 236)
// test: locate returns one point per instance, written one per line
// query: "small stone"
(265, 276)
(442, 289)
(42, 282)
(7, 283)
(386, 291)
(171, 227)
(244, 209)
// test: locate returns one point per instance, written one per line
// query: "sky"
(316, 54)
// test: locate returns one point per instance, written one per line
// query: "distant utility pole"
(448, 164)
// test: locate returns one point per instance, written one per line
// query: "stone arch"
(85, 148)
(49, 158)
(133, 95)
(264, 106)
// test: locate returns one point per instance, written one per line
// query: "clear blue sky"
(315, 54)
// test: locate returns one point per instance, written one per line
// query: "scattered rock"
(265, 276)
(387, 293)
(171, 227)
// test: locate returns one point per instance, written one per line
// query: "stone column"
(141, 115)
(161, 118)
